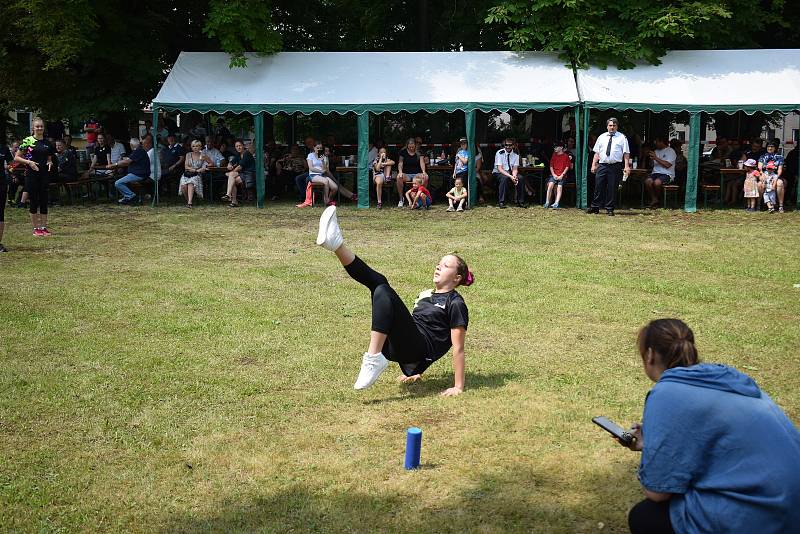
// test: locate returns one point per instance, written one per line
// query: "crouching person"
(718, 455)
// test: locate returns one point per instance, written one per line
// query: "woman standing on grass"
(717, 454)
(414, 340)
(37, 154)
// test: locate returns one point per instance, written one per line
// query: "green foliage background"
(76, 58)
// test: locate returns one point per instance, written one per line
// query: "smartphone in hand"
(614, 429)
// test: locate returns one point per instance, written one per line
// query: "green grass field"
(177, 371)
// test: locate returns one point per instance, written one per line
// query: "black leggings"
(404, 342)
(37, 188)
(650, 517)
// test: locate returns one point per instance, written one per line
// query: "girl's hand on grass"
(452, 392)
(409, 379)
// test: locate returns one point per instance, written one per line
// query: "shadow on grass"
(434, 386)
(517, 499)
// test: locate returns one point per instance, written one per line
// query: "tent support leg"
(690, 202)
(584, 159)
(258, 119)
(797, 178)
(362, 176)
(469, 122)
(578, 169)
(155, 161)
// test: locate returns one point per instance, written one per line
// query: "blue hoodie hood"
(713, 376)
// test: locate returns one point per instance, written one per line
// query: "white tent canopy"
(368, 81)
(700, 80)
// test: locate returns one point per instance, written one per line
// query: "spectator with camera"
(718, 455)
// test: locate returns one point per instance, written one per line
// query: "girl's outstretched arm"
(457, 336)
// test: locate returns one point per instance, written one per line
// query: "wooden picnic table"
(211, 170)
(723, 172)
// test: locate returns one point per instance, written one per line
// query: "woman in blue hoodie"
(718, 455)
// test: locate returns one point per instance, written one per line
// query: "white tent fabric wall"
(368, 81)
(700, 80)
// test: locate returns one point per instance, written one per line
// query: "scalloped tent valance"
(342, 82)
(699, 81)
(359, 82)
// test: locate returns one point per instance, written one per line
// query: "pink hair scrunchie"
(470, 278)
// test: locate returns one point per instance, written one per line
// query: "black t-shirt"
(174, 154)
(102, 155)
(5, 157)
(247, 161)
(435, 314)
(140, 163)
(755, 154)
(67, 164)
(410, 163)
(38, 151)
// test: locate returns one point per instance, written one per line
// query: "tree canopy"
(81, 57)
(625, 32)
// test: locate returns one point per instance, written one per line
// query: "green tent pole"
(155, 161)
(469, 121)
(584, 158)
(797, 178)
(690, 204)
(363, 165)
(579, 169)
(258, 119)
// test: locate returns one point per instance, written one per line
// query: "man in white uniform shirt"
(611, 153)
(506, 168)
(663, 170)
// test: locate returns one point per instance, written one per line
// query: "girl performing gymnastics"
(414, 340)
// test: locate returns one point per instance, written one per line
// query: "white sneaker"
(400, 203)
(329, 235)
(371, 368)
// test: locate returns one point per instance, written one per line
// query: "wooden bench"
(314, 188)
(672, 188)
(713, 188)
(572, 187)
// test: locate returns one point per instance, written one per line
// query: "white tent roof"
(369, 81)
(700, 80)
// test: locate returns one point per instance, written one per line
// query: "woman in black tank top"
(410, 163)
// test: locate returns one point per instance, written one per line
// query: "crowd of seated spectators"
(186, 159)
